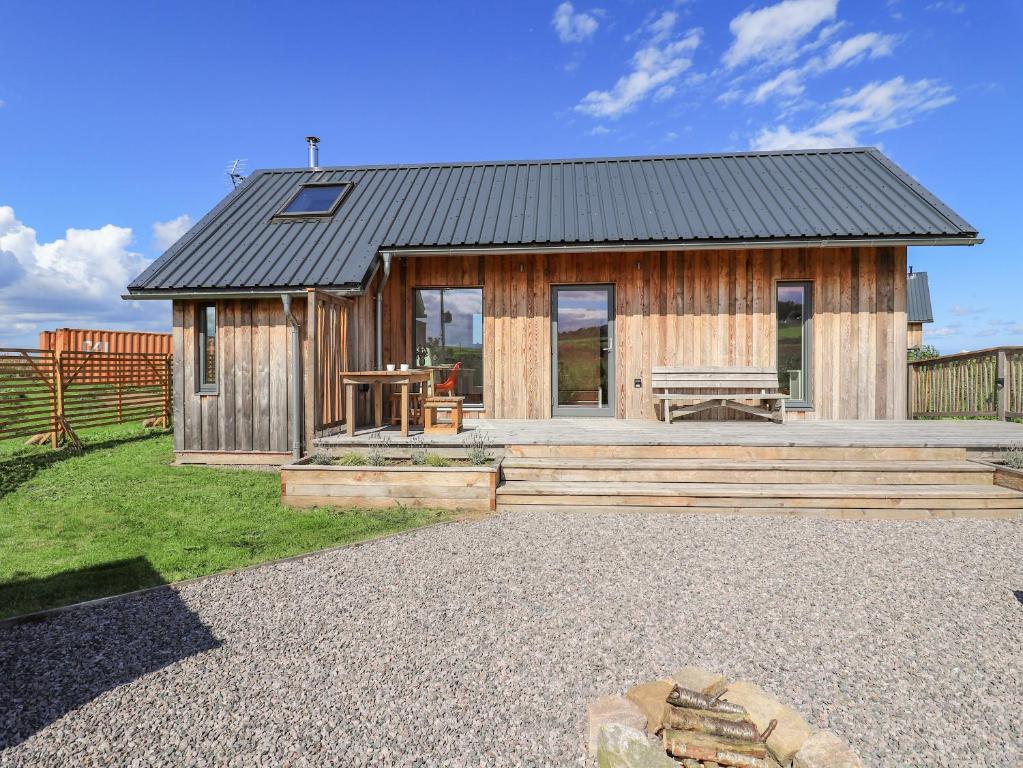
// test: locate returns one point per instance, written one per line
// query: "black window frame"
(284, 213)
(806, 403)
(201, 385)
(474, 407)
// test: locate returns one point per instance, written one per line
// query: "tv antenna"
(235, 172)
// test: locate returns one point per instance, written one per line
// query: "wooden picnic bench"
(713, 387)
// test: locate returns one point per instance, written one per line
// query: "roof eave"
(685, 245)
(200, 294)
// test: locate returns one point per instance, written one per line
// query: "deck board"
(977, 435)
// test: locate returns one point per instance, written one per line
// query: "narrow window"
(794, 310)
(207, 348)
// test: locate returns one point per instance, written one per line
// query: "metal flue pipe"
(314, 151)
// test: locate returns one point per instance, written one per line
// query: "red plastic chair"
(448, 385)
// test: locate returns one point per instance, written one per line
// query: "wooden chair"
(415, 406)
(718, 388)
(448, 385)
(430, 407)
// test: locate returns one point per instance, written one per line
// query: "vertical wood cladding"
(685, 308)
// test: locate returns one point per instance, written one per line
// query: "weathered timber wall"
(686, 308)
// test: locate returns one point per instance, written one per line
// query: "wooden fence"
(983, 384)
(56, 393)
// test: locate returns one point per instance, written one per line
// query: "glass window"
(315, 200)
(794, 311)
(447, 336)
(207, 348)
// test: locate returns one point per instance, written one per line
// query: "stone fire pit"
(699, 719)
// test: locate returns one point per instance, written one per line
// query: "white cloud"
(947, 6)
(729, 96)
(789, 83)
(944, 331)
(660, 29)
(869, 44)
(664, 92)
(774, 33)
(2, 103)
(74, 281)
(960, 310)
(654, 67)
(875, 108)
(599, 130)
(166, 233)
(573, 27)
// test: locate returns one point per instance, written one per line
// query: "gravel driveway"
(479, 643)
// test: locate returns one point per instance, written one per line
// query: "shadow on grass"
(20, 468)
(54, 664)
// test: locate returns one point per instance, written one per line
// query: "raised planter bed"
(1008, 477)
(467, 487)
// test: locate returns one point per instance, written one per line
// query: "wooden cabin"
(557, 285)
(918, 307)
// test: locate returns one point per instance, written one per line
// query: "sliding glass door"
(582, 340)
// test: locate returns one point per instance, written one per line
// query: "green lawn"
(119, 517)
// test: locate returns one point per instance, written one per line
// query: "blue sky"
(118, 120)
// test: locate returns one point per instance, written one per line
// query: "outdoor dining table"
(377, 379)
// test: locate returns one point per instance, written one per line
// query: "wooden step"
(721, 470)
(769, 452)
(766, 495)
(834, 513)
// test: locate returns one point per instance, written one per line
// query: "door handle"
(610, 344)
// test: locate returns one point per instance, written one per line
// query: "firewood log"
(681, 719)
(701, 746)
(683, 697)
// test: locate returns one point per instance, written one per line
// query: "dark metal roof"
(699, 199)
(918, 299)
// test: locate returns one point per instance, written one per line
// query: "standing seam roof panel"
(857, 204)
(361, 222)
(896, 197)
(819, 194)
(229, 265)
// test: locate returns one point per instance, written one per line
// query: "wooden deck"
(971, 435)
(860, 470)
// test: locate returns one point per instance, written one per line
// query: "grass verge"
(119, 517)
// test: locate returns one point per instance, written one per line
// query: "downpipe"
(380, 310)
(296, 379)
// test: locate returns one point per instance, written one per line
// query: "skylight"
(315, 200)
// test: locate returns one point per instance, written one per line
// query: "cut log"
(730, 716)
(700, 746)
(684, 697)
(681, 719)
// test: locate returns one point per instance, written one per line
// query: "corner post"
(1001, 385)
(58, 399)
(911, 373)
